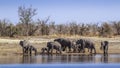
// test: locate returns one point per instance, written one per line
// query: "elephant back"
(89, 43)
(63, 42)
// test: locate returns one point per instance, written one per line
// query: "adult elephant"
(83, 43)
(54, 45)
(104, 46)
(27, 48)
(65, 43)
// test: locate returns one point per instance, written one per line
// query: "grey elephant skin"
(54, 45)
(65, 43)
(104, 46)
(83, 43)
(27, 48)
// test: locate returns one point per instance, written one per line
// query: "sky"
(63, 11)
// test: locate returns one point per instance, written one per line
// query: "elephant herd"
(61, 44)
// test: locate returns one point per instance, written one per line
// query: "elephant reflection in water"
(28, 59)
(67, 58)
(104, 58)
(49, 58)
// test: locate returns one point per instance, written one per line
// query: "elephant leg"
(52, 51)
(69, 49)
(88, 49)
(91, 50)
(48, 50)
(27, 50)
(83, 50)
(60, 51)
(64, 48)
(23, 51)
(104, 49)
(30, 51)
(75, 50)
(94, 50)
(43, 51)
(79, 50)
(56, 51)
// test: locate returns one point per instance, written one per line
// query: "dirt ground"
(10, 46)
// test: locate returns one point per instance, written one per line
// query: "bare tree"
(73, 28)
(44, 27)
(105, 29)
(25, 17)
(116, 26)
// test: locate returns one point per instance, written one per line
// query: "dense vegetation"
(28, 27)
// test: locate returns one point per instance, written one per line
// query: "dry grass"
(10, 46)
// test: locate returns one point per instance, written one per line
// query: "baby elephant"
(104, 46)
(44, 49)
(31, 48)
(54, 45)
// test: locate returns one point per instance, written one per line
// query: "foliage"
(28, 27)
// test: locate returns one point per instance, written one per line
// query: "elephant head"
(21, 43)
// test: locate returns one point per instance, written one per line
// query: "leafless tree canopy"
(28, 27)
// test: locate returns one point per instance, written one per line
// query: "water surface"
(61, 59)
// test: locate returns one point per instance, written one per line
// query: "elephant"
(31, 48)
(54, 45)
(104, 46)
(44, 49)
(27, 48)
(83, 43)
(65, 43)
(77, 48)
